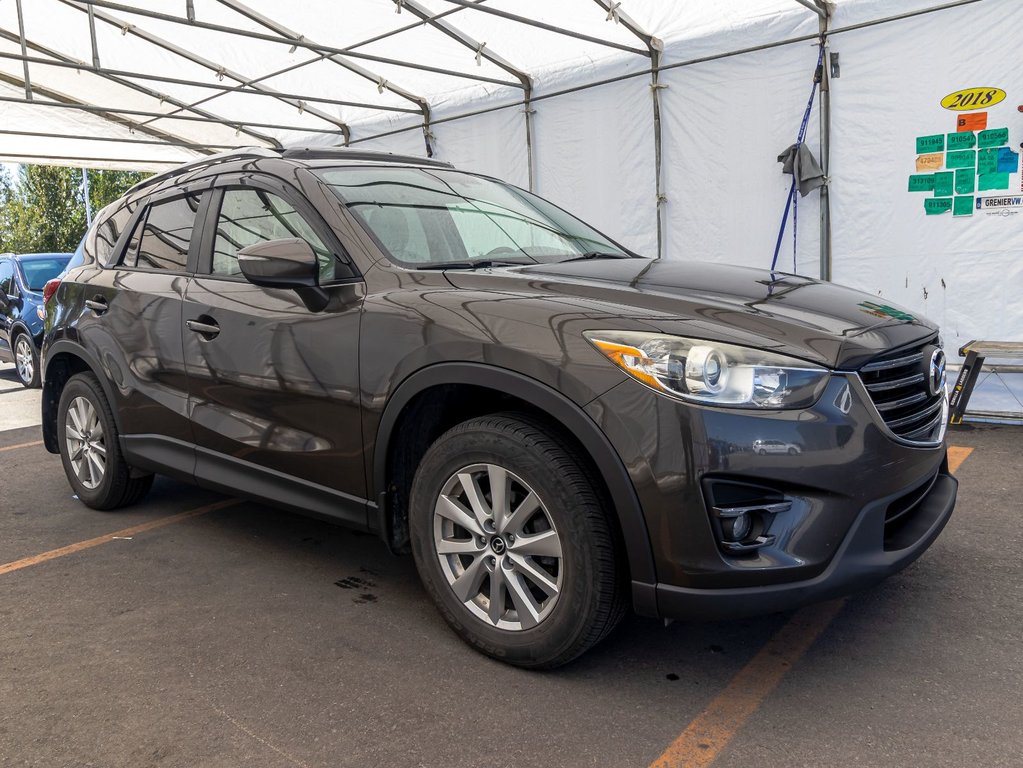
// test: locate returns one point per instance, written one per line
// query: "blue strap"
(792, 204)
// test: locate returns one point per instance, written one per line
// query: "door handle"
(97, 304)
(206, 330)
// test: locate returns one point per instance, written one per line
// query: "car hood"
(810, 319)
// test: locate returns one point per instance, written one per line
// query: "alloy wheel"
(498, 547)
(85, 442)
(24, 360)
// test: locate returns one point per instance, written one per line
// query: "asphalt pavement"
(243, 635)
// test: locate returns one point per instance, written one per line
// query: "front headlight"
(713, 373)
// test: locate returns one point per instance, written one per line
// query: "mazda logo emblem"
(936, 372)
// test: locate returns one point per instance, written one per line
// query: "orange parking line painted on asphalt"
(17, 565)
(20, 445)
(956, 456)
(706, 737)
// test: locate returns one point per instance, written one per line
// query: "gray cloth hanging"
(798, 159)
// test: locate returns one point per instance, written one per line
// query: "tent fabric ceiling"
(174, 79)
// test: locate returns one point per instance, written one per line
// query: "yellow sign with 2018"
(973, 98)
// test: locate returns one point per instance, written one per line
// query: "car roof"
(253, 158)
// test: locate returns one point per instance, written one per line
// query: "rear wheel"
(89, 448)
(26, 361)
(513, 543)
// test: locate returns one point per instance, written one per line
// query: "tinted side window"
(249, 216)
(166, 234)
(99, 243)
(6, 277)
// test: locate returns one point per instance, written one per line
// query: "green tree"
(44, 210)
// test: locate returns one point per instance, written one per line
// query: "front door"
(274, 386)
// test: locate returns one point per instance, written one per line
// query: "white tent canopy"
(659, 121)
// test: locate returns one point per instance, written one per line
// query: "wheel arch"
(63, 360)
(544, 400)
(19, 326)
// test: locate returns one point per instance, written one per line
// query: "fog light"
(736, 528)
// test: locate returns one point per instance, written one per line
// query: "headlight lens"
(711, 372)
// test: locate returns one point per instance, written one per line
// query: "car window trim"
(120, 248)
(290, 195)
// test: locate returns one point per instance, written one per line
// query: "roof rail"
(345, 153)
(247, 153)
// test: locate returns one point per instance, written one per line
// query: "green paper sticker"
(993, 138)
(944, 184)
(966, 181)
(963, 206)
(988, 181)
(964, 159)
(963, 140)
(987, 161)
(925, 144)
(923, 182)
(937, 205)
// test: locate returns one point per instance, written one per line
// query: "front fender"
(567, 413)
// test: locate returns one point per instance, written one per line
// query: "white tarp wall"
(964, 272)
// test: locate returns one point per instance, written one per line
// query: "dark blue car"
(22, 278)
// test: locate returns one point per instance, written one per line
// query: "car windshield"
(429, 217)
(38, 271)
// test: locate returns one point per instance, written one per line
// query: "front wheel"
(26, 361)
(89, 449)
(514, 544)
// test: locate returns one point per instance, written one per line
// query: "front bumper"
(862, 560)
(843, 474)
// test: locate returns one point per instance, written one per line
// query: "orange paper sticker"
(977, 121)
(932, 162)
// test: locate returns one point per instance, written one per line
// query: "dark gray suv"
(555, 427)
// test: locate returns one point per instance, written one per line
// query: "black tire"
(32, 381)
(592, 598)
(116, 487)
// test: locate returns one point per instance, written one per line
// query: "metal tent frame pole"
(655, 47)
(67, 61)
(825, 9)
(483, 51)
(342, 61)
(197, 147)
(21, 39)
(63, 101)
(548, 27)
(105, 72)
(201, 61)
(299, 41)
(114, 111)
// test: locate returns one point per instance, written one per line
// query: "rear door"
(131, 323)
(274, 386)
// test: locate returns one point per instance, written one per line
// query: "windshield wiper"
(596, 255)
(478, 264)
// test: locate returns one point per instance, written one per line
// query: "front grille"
(898, 385)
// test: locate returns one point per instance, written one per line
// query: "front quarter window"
(249, 216)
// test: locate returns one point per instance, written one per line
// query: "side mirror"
(286, 263)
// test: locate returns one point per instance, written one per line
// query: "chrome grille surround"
(897, 383)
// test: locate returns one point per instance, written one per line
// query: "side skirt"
(225, 474)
